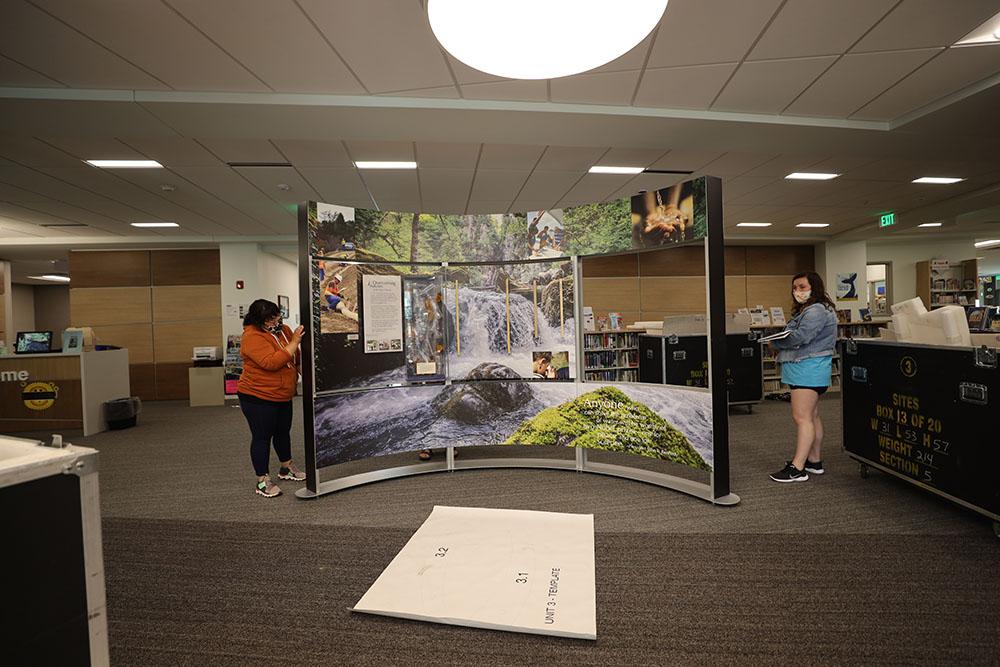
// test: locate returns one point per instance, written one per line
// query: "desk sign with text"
(513, 570)
(926, 414)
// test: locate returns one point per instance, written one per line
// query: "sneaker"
(267, 488)
(790, 474)
(291, 473)
(815, 467)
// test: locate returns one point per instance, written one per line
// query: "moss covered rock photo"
(608, 419)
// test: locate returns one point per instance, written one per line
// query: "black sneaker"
(790, 474)
(815, 467)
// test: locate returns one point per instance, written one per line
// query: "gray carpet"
(838, 570)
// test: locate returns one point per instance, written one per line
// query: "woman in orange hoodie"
(271, 359)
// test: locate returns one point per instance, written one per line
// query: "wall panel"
(185, 267)
(142, 380)
(186, 302)
(96, 306)
(172, 381)
(137, 338)
(109, 268)
(173, 341)
(611, 294)
(780, 260)
(614, 266)
(770, 291)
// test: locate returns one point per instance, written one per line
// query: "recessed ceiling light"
(166, 187)
(813, 224)
(810, 176)
(56, 278)
(986, 244)
(598, 169)
(154, 224)
(578, 36)
(941, 180)
(125, 164)
(929, 224)
(753, 224)
(369, 164)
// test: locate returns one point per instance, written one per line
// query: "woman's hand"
(297, 334)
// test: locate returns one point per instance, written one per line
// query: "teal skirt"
(811, 372)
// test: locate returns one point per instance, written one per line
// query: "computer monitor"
(31, 342)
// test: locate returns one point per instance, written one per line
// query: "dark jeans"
(269, 421)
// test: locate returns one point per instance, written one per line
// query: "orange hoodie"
(269, 372)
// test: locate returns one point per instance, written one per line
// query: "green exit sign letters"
(887, 220)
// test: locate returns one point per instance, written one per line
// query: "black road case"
(926, 414)
(683, 360)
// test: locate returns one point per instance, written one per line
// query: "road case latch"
(859, 374)
(986, 357)
(850, 346)
(746, 352)
(672, 339)
(753, 335)
(680, 355)
(973, 393)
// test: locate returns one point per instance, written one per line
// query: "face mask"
(802, 297)
(276, 328)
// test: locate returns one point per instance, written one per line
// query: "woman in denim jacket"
(806, 357)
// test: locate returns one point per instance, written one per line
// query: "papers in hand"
(776, 336)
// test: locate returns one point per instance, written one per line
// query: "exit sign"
(887, 220)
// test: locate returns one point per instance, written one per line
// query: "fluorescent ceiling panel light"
(929, 224)
(154, 224)
(362, 164)
(753, 224)
(988, 32)
(986, 244)
(125, 164)
(51, 277)
(598, 169)
(813, 224)
(529, 39)
(941, 180)
(810, 176)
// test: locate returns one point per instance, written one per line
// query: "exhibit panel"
(925, 413)
(486, 348)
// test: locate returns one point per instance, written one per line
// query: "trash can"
(121, 412)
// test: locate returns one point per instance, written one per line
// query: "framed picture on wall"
(283, 306)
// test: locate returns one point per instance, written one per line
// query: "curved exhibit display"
(442, 331)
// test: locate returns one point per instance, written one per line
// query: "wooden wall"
(157, 303)
(671, 281)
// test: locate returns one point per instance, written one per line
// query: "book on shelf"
(844, 316)
(978, 317)
(866, 314)
(615, 321)
(588, 318)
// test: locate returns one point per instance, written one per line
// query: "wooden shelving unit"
(611, 356)
(945, 283)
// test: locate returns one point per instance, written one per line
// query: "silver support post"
(450, 454)
(581, 459)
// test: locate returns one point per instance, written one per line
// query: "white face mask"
(802, 297)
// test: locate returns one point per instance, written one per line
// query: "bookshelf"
(945, 283)
(611, 356)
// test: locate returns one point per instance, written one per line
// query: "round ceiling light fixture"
(541, 39)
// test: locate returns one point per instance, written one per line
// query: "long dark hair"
(259, 312)
(818, 295)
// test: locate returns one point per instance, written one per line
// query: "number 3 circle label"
(908, 367)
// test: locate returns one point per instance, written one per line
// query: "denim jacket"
(814, 334)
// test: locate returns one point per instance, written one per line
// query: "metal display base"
(580, 464)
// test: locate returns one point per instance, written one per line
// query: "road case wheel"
(864, 471)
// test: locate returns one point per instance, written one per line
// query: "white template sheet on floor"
(513, 570)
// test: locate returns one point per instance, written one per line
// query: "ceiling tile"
(695, 32)
(28, 34)
(444, 185)
(768, 86)
(735, 164)
(818, 27)
(687, 160)
(782, 165)
(338, 185)
(447, 92)
(682, 87)
(855, 80)
(548, 187)
(94, 148)
(393, 185)
(276, 41)
(16, 195)
(632, 157)
(597, 187)
(646, 182)
(465, 74)
(570, 158)
(151, 35)
(509, 156)
(521, 91)
(602, 88)
(733, 188)
(399, 205)
(173, 151)
(267, 180)
(314, 153)
(393, 151)
(497, 184)
(242, 150)
(632, 60)
(917, 24)
(388, 44)
(488, 206)
(16, 75)
(34, 153)
(447, 155)
(949, 72)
